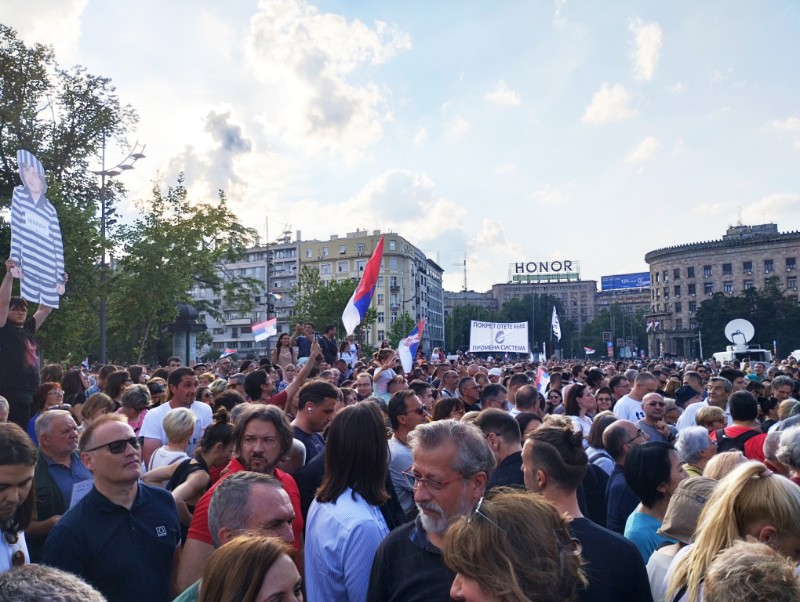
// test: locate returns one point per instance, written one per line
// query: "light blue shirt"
(341, 540)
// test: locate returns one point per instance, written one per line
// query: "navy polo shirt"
(126, 554)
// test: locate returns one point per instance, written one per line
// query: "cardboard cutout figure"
(36, 246)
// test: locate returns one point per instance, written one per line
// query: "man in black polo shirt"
(452, 464)
(123, 537)
(502, 434)
(317, 402)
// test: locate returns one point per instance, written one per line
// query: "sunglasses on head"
(119, 446)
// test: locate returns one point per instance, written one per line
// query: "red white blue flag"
(359, 303)
(266, 329)
(407, 348)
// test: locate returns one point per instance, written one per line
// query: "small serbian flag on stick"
(588, 350)
(227, 352)
(359, 303)
(407, 349)
(266, 329)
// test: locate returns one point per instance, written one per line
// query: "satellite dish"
(739, 331)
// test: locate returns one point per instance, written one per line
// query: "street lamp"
(106, 220)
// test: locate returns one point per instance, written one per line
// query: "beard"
(258, 463)
(437, 520)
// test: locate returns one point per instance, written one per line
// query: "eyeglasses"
(478, 512)
(639, 433)
(119, 446)
(18, 556)
(430, 484)
(420, 410)
(56, 392)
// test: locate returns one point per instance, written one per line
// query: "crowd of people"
(323, 474)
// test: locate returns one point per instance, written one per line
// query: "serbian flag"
(227, 352)
(407, 348)
(362, 297)
(588, 350)
(542, 380)
(266, 329)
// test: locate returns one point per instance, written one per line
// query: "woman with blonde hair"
(513, 546)
(751, 501)
(249, 568)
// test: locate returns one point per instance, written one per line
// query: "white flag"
(556, 324)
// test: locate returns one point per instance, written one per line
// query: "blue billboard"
(622, 281)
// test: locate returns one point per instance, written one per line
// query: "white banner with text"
(507, 337)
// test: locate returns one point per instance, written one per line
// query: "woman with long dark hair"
(283, 354)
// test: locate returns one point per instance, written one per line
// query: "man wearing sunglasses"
(406, 412)
(619, 439)
(653, 424)
(124, 536)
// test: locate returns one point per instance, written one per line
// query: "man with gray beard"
(452, 465)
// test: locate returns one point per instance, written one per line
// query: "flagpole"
(533, 323)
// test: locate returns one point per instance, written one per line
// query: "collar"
(50, 462)
(511, 458)
(419, 538)
(106, 505)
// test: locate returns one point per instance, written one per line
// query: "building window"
(658, 293)
(676, 274)
(791, 283)
(678, 323)
(393, 317)
(324, 251)
(361, 248)
(666, 293)
(769, 266)
(343, 266)
(791, 265)
(748, 284)
(690, 272)
(692, 290)
(379, 300)
(706, 271)
(360, 265)
(393, 283)
(727, 287)
(381, 335)
(393, 245)
(658, 276)
(693, 324)
(380, 281)
(747, 267)
(219, 331)
(665, 276)
(727, 269)
(677, 290)
(324, 268)
(308, 253)
(381, 318)
(692, 306)
(678, 307)
(392, 263)
(708, 288)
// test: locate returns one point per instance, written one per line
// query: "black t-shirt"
(19, 359)
(613, 565)
(329, 349)
(314, 443)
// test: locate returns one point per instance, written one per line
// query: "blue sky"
(512, 131)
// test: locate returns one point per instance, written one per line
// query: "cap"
(685, 506)
(684, 394)
(495, 372)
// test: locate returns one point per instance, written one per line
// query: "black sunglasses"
(420, 410)
(117, 447)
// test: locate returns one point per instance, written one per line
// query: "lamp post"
(106, 211)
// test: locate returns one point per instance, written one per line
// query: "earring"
(308, 410)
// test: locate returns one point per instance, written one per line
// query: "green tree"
(457, 325)
(63, 116)
(400, 329)
(620, 323)
(323, 301)
(173, 247)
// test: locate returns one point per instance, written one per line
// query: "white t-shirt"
(628, 408)
(687, 419)
(164, 457)
(153, 425)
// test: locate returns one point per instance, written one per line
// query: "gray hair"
(782, 381)
(631, 374)
(723, 380)
(45, 420)
(229, 506)
(136, 397)
(474, 454)
(771, 443)
(691, 441)
(789, 450)
(35, 582)
(3, 404)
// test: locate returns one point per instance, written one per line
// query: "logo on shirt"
(161, 531)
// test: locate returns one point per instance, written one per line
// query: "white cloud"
(678, 88)
(50, 22)
(505, 169)
(788, 125)
(550, 195)
(488, 249)
(503, 95)
(459, 126)
(643, 152)
(305, 58)
(610, 103)
(771, 208)
(647, 40)
(421, 136)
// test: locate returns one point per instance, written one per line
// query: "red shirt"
(199, 528)
(276, 400)
(753, 447)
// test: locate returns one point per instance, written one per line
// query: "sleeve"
(64, 551)
(58, 245)
(150, 427)
(359, 551)
(290, 486)
(378, 588)
(198, 529)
